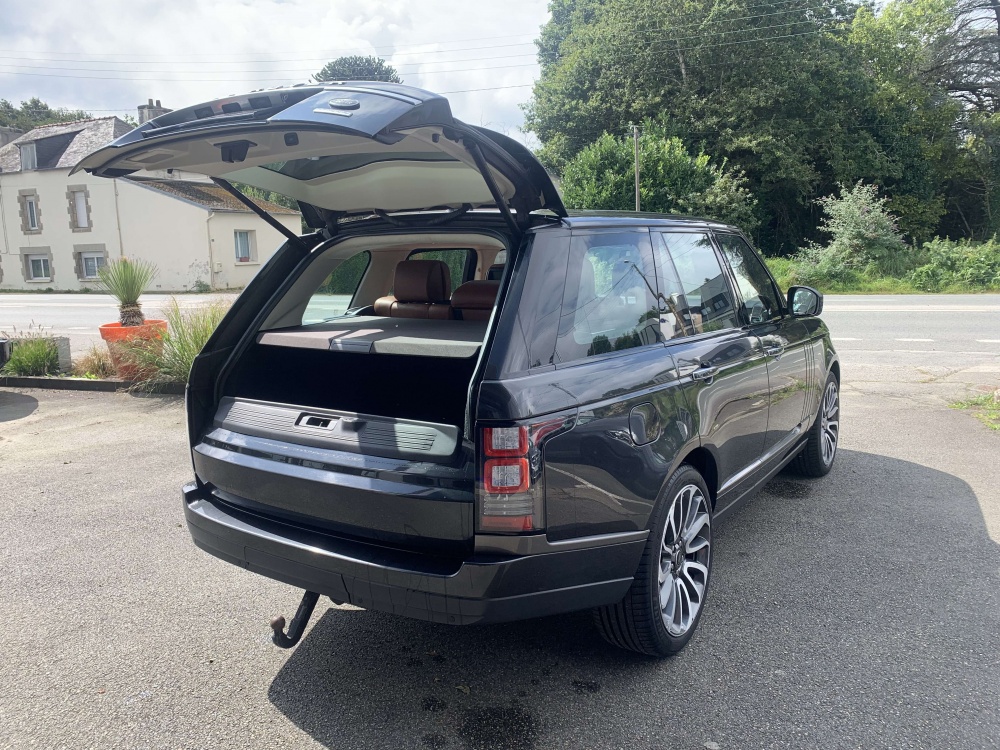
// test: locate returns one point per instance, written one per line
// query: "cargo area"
(401, 369)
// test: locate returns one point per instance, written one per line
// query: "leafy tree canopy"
(35, 112)
(799, 95)
(358, 68)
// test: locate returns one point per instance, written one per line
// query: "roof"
(61, 145)
(206, 195)
(591, 219)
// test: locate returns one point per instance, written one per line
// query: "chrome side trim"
(537, 544)
(767, 457)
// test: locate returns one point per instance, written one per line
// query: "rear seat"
(474, 300)
(421, 289)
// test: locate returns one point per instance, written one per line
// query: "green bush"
(865, 243)
(33, 356)
(169, 359)
(957, 265)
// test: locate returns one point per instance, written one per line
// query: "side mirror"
(804, 300)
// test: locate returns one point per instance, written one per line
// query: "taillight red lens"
(506, 476)
(505, 441)
(507, 523)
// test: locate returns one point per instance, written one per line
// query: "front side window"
(246, 250)
(609, 303)
(31, 212)
(459, 261)
(696, 294)
(760, 297)
(92, 264)
(38, 267)
(336, 294)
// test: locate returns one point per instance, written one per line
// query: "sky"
(108, 56)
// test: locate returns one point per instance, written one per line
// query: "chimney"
(9, 134)
(150, 110)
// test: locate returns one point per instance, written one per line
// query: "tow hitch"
(298, 626)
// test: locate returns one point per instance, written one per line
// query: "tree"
(35, 112)
(602, 176)
(358, 68)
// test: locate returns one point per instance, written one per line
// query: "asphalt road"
(859, 610)
(955, 323)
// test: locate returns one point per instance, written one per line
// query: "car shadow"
(14, 406)
(845, 608)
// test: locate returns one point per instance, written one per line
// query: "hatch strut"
(229, 188)
(483, 167)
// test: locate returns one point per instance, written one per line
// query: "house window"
(38, 267)
(29, 157)
(92, 264)
(246, 246)
(31, 213)
(79, 209)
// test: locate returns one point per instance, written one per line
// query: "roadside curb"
(84, 384)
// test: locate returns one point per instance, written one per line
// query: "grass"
(95, 364)
(865, 283)
(986, 408)
(169, 360)
(32, 356)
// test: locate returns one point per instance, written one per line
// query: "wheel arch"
(702, 461)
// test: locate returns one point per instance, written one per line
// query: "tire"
(817, 455)
(643, 620)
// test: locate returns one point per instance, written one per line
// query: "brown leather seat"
(422, 289)
(474, 300)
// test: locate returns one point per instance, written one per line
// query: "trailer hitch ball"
(298, 626)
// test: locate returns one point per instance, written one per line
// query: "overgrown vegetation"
(35, 112)
(358, 68)
(986, 408)
(32, 356)
(867, 252)
(169, 359)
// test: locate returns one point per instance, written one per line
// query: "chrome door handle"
(774, 351)
(705, 373)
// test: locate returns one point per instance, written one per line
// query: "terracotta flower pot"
(115, 334)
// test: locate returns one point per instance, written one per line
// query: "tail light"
(511, 489)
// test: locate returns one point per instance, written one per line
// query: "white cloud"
(107, 56)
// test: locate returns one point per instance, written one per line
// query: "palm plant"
(126, 280)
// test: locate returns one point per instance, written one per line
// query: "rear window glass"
(610, 301)
(695, 289)
(335, 295)
(458, 260)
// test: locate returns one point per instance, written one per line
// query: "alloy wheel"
(830, 422)
(685, 556)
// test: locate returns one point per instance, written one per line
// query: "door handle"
(705, 373)
(774, 351)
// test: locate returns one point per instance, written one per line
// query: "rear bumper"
(485, 588)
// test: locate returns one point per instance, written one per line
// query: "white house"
(58, 230)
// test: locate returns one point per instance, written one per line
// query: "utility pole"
(635, 148)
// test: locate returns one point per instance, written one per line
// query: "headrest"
(495, 272)
(475, 295)
(427, 281)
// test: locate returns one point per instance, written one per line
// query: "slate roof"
(62, 145)
(206, 195)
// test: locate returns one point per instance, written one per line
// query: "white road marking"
(79, 328)
(917, 351)
(931, 340)
(988, 341)
(843, 338)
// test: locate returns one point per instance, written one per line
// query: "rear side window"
(461, 262)
(335, 295)
(609, 303)
(695, 290)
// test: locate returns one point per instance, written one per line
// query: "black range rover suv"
(454, 401)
